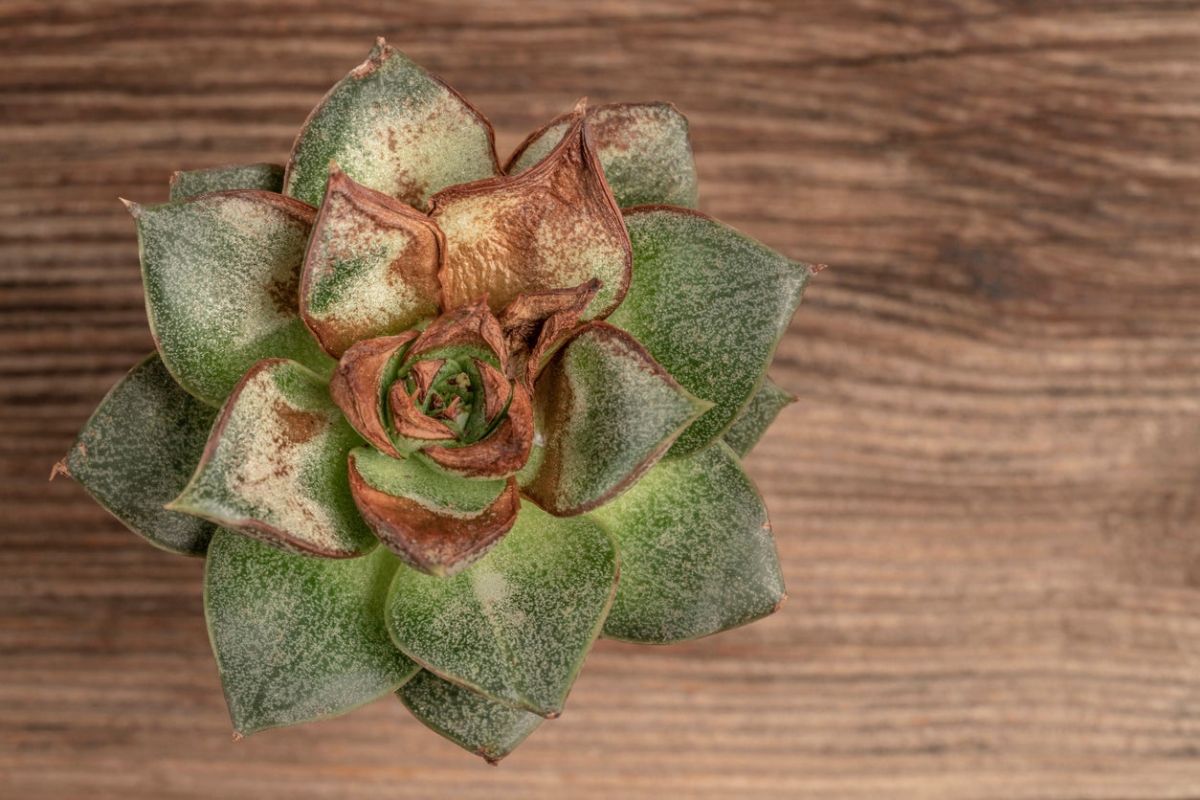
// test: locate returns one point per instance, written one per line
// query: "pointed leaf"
(710, 305)
(697, 552)
(470, 720)
(296, 638)
(221, 273)
(138, 450)
(607, 411)
(757, 416)
(371, 267)
(518, 623)
(552, 227)
(395, 128)
(643, 147)
(190, 183)
(438, 523)
(275, 466)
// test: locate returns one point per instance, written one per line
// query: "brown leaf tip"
(778, 605)
(59, 468)
(817, 268)
(132, 207)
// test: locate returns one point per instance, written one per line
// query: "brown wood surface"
(985, 499)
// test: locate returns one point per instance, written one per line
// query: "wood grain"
(985, 500)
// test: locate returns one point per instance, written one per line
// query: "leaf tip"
(816, 269)
(783, 598)
(133, 208)
(60, 468)
(238, 735)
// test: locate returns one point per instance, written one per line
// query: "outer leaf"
(757, 416)
(710, 305)
(298, 639)
(607, 412)
(371, 267)
(697, 551)
(275, 466)
(190, 183)
(552, 227)
(393, 127)
(643, 147)
(221, 273)
(470, 720)
(516, 625)
(438, 523)
(138, 450)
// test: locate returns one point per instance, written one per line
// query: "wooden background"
(985, 499)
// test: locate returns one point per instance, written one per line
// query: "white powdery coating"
(518, 623)
(298, 638)
(359, 297)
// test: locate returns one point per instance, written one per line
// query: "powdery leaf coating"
(371, 267)
(757, 416)
(607, 412)
(275, 466)
(137, 452)
(473, 722)
(437, 523)
(518, 623)
(552, 227)
(221, 273)
(297, 638)
(190, 183)
(710, 305)
(393, 127)
(644, 149)
(697, 552)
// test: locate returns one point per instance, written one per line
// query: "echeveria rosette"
(438, 425)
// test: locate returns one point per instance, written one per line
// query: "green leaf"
(606, 411)
(697, 552)
(470, 720)
(643, 147)
(275, 466)
(395, 128)
(296, 638)
(221, 273)
(437, 522)
(518, 623)
(757, 416)
(371, 267)
(190, 183)
(138, 450)
(710, 305)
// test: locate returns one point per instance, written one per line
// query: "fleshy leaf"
(359, 383)
(221, 273)
(298, 639)
(757, 416)
(697, 552)
(710, 305)
(518, 623)
(190, 183)
(275, 466)
(475, 723)
(371, 267)
(607, 411)
(643, 147)
(137, 452)
(437, 523)
(502, 452)
(552, 227)
(395, 128)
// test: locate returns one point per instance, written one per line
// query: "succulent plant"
(437, 425)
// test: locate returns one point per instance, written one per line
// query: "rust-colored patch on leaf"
(536, 323)
(433, 542)
(354, 226)
(553, 226)
(496, 389)
(408, 419)
(471, 325)
(355, 386)
(502, 453)
(297, 426)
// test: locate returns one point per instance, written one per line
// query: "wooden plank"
(985, 500)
